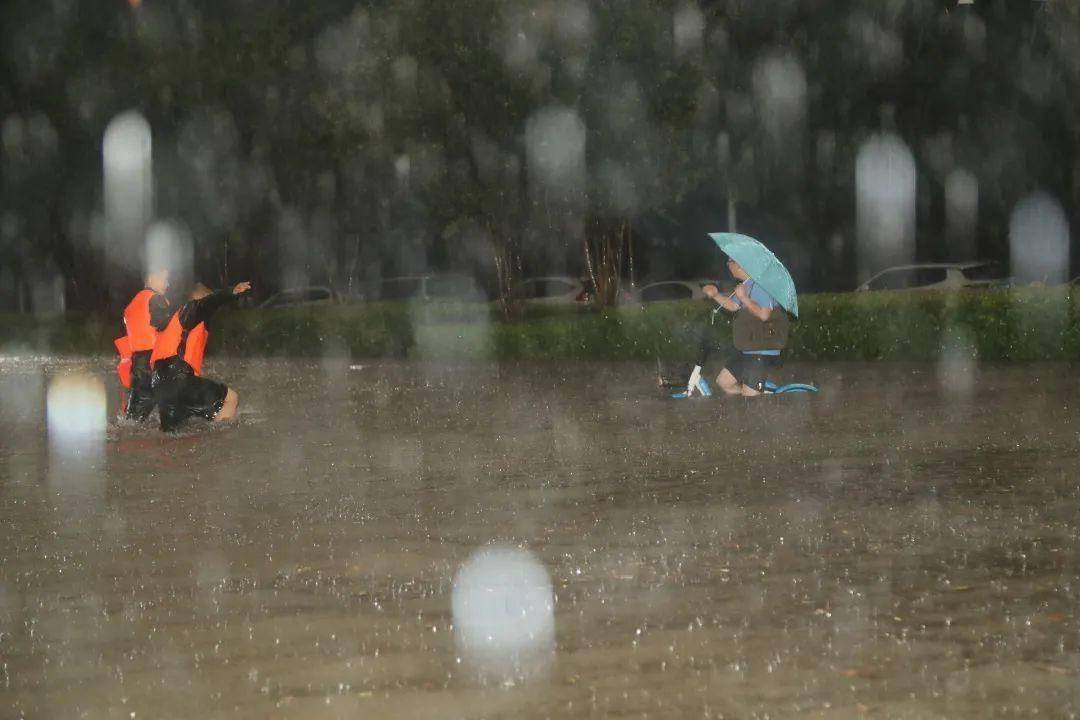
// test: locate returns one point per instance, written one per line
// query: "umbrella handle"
(717, 309)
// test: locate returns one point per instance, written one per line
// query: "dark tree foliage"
(332, 142)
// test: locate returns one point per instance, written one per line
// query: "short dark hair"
(198, 290)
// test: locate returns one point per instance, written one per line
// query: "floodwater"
(903, 545)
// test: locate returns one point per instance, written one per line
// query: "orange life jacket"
(174, 339)
(123, 368)
(140, 332)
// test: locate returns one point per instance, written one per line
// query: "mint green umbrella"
(762, 267)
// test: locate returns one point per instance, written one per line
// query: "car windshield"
(282, 299)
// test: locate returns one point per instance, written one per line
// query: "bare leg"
(728, 383)
(228, 408)
(748, 391)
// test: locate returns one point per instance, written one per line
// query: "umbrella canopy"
(762, 267)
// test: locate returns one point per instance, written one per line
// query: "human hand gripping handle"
(713, 293)
(741, 293)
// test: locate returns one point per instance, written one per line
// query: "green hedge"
(998, 324)
(1028, 323)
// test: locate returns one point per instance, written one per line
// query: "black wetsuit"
(141, 398)
(179, 392)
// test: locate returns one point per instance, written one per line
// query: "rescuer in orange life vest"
(146, 315)
(179, 388)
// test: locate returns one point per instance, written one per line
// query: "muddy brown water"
(903, 544)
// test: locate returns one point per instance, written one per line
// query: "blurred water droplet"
(1039, 240)
(555, 146)
(75, 417)
(689, 27)
(75, 408)
(504, 613)
(957, 366)
(780, 94)
(885, 204)
(129, 187)
(961, 213)
(169, 246)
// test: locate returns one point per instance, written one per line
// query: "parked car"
(935, 276)
(422, 287)
(300, 296)
(554, 290)
(671, 290)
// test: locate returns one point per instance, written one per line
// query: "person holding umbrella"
(760, 329)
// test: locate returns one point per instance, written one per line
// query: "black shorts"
(750, 369)
(181, 394)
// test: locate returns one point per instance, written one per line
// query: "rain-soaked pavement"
(902, 545)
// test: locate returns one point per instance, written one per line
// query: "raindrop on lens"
(504, 613)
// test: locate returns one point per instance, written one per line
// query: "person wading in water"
(144, 317)
(760, 333)
(179, 388)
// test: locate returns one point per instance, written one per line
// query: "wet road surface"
(902, 545)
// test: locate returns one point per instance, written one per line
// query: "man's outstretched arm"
(197, 311)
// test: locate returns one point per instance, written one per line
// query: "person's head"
(199, 291)
(736, 270)
(158, 280)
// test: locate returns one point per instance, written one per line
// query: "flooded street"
(904, 544)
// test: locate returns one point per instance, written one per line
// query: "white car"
(300, 296)
(553, 290)
(935, 276)
(672, 290)
(422, 287)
